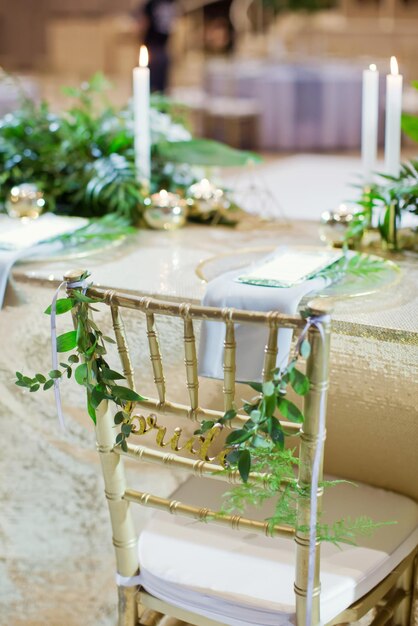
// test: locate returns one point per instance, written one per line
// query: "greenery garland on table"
(83, 159)
(258, 446)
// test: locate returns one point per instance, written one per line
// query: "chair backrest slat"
(155, 356)
(229, 365)
(270, 353)
(190, 360)
(123, 350)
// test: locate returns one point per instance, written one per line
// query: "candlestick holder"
(165, 211)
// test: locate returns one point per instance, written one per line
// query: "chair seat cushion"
(241, 578)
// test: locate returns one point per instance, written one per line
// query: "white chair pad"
(240, 578)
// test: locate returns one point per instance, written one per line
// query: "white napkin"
(225, 291)
(18, 235)
(20, 239)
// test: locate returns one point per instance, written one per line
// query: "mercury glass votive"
(205, 197)
(25, 201)
(334, 225)
(165, 211)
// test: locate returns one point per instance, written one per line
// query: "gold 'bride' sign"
(197, 445)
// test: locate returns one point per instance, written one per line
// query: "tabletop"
(165, 264)
(374, 348)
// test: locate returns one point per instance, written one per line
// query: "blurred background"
(273, 75)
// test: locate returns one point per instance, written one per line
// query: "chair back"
(201, 461)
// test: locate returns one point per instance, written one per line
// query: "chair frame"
(133, 601)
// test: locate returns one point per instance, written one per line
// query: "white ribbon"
(128, 581)
(316, 321)
(70, 285)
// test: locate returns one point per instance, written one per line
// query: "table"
(375, 337)
(53, 486)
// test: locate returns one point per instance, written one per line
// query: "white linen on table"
(245, 578)
(20, 238)
(225, 291)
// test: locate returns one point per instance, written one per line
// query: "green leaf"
(20, 383)
(62, 306)
(269, 404)
(67, 341)
(299, 382)
(48, 385)
(119, 417)
(40, 378)
(258, 441)
(19, 375)
(257, 387)
(305, 349)
(204, 427)
(90, 409)
(126, 429)
(276, 432)
(124, 445)
(205, 152)
(108, 374)
(54, 374)
(35, 387)
(98, 394)
(268, 388)
(124, 393)
(229, 415)
(73, 358)
(81, 297)
(238, 436)
(108, 339)
(233, 456)
(244, 465)
(81, 373)
(289, 410)
(256, 416)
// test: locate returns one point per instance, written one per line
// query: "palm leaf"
(205, 152)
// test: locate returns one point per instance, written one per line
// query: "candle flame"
(394, 68)
(143, 56)
(372, 67)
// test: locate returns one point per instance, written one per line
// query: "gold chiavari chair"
(179, 562)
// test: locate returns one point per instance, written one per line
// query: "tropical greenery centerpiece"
(82, 159)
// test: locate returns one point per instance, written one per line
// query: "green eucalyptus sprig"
(263, 429)
(87, 361)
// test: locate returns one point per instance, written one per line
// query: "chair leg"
(402, 614)
(127, 607)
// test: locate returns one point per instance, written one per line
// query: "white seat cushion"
(238, 578)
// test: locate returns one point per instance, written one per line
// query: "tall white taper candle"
(369, 122)
(142, 136)
(393, 119)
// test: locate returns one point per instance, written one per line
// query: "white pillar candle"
(393, 119)
(369, 123)
(142, 133)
